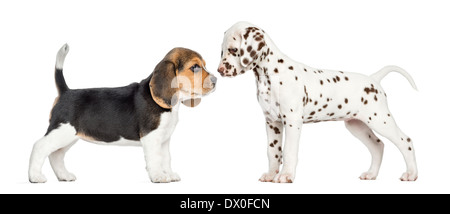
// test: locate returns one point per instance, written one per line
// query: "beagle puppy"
(140, 114)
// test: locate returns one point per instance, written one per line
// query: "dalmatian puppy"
(292, 94)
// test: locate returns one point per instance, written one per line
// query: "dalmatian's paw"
(368, 176)
(407, 176)
(284, 178)
(37, 178)
(67, 177)
(267, 177)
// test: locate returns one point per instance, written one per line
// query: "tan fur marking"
(86, 137)
(194, 78)
(54, 103)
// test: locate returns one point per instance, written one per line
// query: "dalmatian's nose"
(221, 70)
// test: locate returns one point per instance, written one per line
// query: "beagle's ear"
(191, 102)
(164, 85)
(252, 41)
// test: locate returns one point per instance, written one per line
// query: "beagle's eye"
(195, 68)
(232, 50)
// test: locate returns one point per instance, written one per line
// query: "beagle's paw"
(174, 177)
(37, 178)
(159, 177)
(284, 178)
(67, 177)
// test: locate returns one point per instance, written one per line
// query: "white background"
(220, 146)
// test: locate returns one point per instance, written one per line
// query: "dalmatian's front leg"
(274, 147)
(290, 155)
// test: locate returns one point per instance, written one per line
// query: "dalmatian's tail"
(59, 77)
(390, 68)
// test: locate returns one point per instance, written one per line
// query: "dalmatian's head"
(242, 45)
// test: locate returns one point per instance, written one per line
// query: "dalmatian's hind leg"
(384, 124)
(375, 146)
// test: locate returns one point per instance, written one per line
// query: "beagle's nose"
(213, 80)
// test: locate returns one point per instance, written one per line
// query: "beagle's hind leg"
(56, 139)
(56, 159)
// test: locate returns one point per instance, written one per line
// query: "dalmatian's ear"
(252, 41)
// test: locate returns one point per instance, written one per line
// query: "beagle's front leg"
(166, 163)
(154, 157)
(290, 152)
(274, 142)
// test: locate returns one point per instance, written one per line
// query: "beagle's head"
(181, 76)
(242, 45)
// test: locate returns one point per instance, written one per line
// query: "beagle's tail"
(390, 68)
(59, 77)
